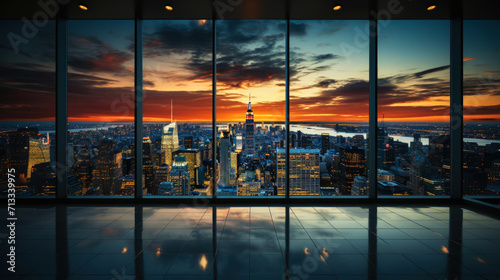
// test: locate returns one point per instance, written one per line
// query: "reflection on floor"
(125, 243)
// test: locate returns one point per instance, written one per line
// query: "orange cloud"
(469, 58)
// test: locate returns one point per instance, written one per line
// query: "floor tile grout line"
(287, 272)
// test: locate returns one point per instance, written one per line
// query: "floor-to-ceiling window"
(27, 110)
(481, 131)
(328, 107)
(413, 107)
(250, 107)
(177, 106)
(101, 107)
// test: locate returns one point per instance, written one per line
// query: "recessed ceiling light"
(431, 7)
(169, 8)
(337, 7)
(83, 7)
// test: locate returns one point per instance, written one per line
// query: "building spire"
(171, 110)
(249, 101)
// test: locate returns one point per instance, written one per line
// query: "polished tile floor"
(143, 242)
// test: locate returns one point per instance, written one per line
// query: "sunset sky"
(329, 71)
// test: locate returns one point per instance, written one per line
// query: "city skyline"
(331, 84)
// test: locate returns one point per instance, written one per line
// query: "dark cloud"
(27, 77)
(324, 57)
(245, 65)
(248, 52)
(296, 29)
(40, 48)
(27, 92)
(403, 78)
(178, 37)
(148, 83)
(482, 110)
(243, 32)
(352, 92)
(325, 83)
(432, 70)
(481, 85)
(93, 55)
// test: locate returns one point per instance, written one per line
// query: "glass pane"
(101, 107)
(481, 149)
(27, 115)
(413, 108)
(328, 108)
(250, 107)
(177, 144)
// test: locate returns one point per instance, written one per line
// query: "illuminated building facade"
(304, 171)
(169, 141)
(179, 176)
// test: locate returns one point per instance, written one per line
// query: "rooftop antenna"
(249, 100)
(171, 110)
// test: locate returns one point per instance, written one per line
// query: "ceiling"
(247, 9)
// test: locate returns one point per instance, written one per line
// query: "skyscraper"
(193, 159)
(188, 142)
(386, 154)
(239, 142)
(359, 186)
(39, 152)
(439, 151)
(106, 167)
(148, 164)
(299, 139)
(307, 141)
(161, 176)
(83, 170)
(249, 129)
(304, 171)
(494, 175)
(19, 151)
(179, 176)
(225, 158)
(352, 164)
(234, 160)
(169, 141)
(358, 141)
(325, 142)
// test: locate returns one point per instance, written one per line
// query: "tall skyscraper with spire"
(225, 158)
(170, 138)
(249, 129)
